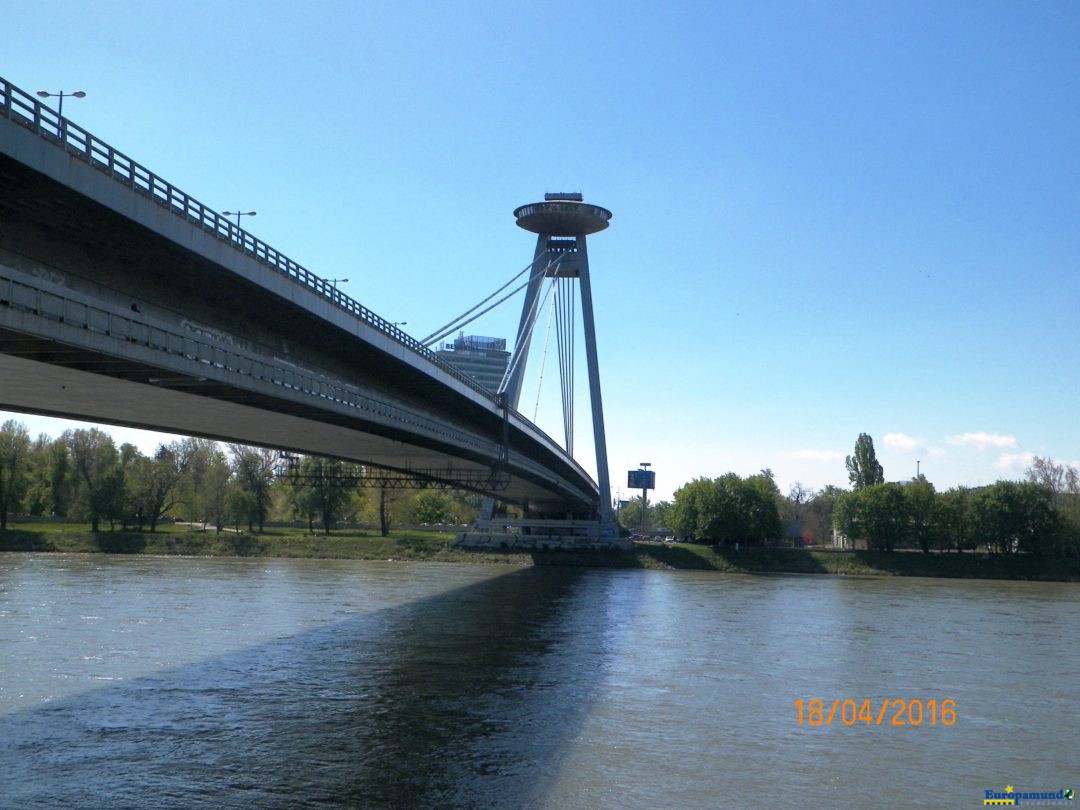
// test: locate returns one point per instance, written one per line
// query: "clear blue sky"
(829, 218)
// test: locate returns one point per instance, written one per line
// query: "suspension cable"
(525, 333)
(452, 325)
(565, 332)
(543, 359)
(436, 337)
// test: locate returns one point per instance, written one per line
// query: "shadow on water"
(685, 557)
(464, 699)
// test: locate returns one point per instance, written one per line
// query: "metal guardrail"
(22, 108)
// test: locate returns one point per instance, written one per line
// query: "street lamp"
(335, 281)
(238, 214)
(400, 323)
(61, 95)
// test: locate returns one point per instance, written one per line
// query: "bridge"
(124, 300)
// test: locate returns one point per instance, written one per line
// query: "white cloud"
(1010, 461)
(815, 455)
(983, 440)
(901, 441)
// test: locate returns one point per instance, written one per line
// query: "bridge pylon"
(562, 223)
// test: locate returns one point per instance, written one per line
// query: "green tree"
(39, 495)
(1012, 517)
(1063, 481)
(189, 494)
(112, 495)
(727, 509)
(214, 494)
(431, 506)
(52, 486)
(241, 507)
(920, 499)
(304, 504)
(152, 483)
(793, 505)
(845, 514)
(465, 506)
(818, 514)
(14, 467)
(321, 490)
(952, 520)
(1051, 475)
(657, 516)
(254, 470)
(761, 500)
(694, 501)
(390, 507)
(883, 515)
(96, 465)
(863, 468)
(630, 516)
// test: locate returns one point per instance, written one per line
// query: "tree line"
(1039, 515)
(83, 475)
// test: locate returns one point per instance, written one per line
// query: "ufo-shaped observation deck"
(562, 217)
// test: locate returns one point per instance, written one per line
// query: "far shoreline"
(433, 546)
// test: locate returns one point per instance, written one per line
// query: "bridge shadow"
(464, 699)
(754, 560)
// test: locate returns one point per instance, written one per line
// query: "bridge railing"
(23, 108)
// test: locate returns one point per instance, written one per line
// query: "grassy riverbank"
(438, 546)
(273, 542)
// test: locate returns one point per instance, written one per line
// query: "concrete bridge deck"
(123, 300)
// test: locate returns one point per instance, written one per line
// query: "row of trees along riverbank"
(1039, 515)
(83, 475)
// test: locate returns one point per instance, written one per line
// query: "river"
(149, 682)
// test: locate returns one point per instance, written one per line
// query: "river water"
(177, 682)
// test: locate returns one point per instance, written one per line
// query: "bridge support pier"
(541, 534)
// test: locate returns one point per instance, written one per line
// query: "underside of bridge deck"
(202, 286)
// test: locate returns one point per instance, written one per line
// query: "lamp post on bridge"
(335, 281)
(238, 214)
(61, 95)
